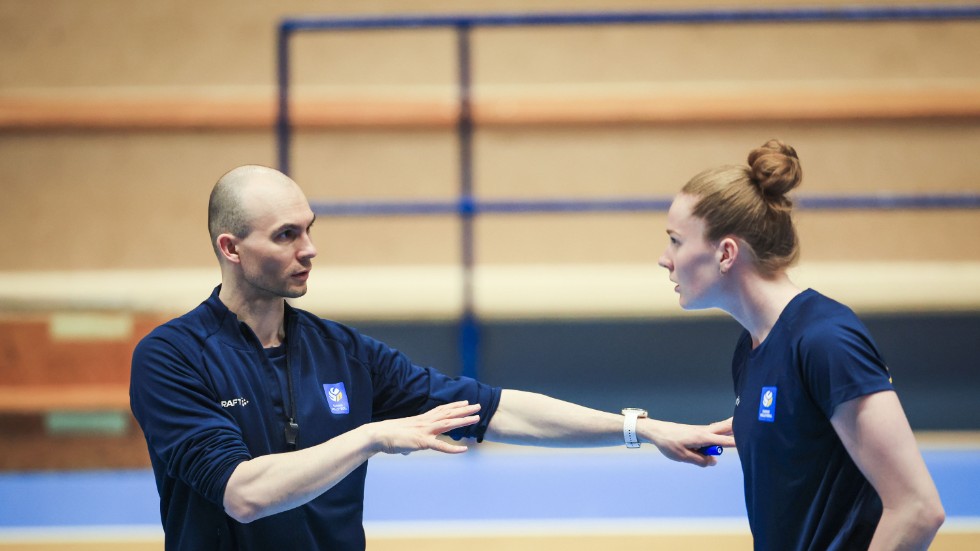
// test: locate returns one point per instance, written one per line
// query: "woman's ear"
(727, 254)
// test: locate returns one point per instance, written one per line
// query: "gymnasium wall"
(116, 117)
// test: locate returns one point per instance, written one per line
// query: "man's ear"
(727, 254)
(228, 246)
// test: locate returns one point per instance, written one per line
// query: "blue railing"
(882, 201)
(466, 206)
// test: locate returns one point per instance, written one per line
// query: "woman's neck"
(759, 301)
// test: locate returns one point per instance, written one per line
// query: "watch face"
(638, 411)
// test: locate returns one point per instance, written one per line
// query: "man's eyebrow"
(286, 226)
(292, 226)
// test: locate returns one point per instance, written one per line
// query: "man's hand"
(272, 483)
(420, 432)
(681, 442)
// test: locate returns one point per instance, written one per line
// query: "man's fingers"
(447, 447)
(447, 425)
(456, 405)
(455, 409)
(410, 434)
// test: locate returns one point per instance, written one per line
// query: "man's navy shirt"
(208, 397)
(802, 489)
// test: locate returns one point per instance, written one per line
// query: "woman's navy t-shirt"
(802, 490)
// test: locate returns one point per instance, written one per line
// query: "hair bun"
(776, 169)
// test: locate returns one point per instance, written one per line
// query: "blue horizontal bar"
(782, 15)
(572, 205)
(385, 208)
(891, 202)
(635, 204)
(391, 208)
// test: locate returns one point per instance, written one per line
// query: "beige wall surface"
(116, 43)
(78, 196)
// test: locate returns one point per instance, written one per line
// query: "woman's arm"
(535, 419)
(877, 435)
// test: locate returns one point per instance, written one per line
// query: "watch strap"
(630, 415)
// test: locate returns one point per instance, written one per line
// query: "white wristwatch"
(630, 415)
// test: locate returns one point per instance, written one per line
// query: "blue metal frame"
(632, 204)
(467, 206)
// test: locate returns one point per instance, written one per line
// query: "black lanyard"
(292, 427)
(291, 430)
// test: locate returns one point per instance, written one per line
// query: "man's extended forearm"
(274, 483)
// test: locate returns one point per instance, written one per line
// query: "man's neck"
(265, 316)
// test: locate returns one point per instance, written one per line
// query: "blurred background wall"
(116, 118)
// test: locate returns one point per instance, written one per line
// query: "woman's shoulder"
(814, 305)
(824, 321)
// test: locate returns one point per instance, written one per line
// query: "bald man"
(260, 418)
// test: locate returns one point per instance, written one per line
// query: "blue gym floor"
(496, 485)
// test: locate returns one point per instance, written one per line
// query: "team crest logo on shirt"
(767, 404)
(337, 398)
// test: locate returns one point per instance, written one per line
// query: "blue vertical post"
(282, 120)
(469, 328)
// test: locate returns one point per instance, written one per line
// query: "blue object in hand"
(711, 450)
